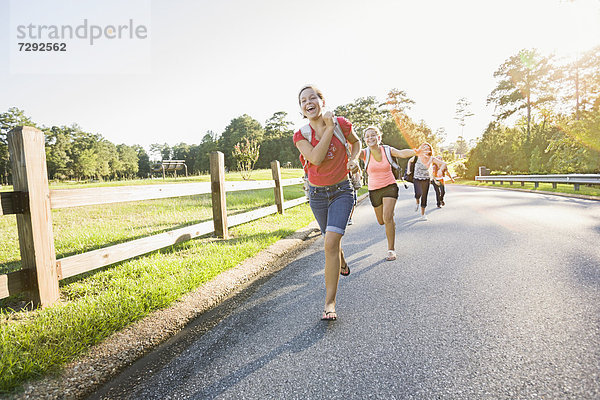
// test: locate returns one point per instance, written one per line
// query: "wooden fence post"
(278, 188)
(36, 241)
(219, 205)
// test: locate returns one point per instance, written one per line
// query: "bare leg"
(333, 257)
(379, 214)
(343, 265)
(388, 217)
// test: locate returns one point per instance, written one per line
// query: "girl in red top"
(330, 193)
(383, 190)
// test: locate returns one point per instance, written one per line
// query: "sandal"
(327, 316)
(391, 255)
(345, 270)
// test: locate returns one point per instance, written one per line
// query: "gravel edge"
(106, 359)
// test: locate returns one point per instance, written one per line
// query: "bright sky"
(212, 61)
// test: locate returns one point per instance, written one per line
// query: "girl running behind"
(383, 190)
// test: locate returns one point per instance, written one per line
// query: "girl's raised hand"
(328, 118)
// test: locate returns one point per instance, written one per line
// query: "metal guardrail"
(569, 179)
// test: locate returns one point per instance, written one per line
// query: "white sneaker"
(416, 208)
(423, 217)
(350, 221)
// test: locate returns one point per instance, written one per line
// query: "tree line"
(73, 153)
(555, 106)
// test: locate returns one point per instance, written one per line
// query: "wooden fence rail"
(32, 201)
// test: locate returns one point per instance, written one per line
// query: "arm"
(446, 172)
(439, 163)
(362, 154)
(315, 155)
(355, 152)
(404, 153)
(442, 166)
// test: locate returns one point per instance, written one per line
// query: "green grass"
(103, 302)
(82, 229)
(543, 187)
(96, 304)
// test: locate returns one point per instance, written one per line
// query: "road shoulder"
(106, 359)
(574, 195)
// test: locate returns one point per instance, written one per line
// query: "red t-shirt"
(333, 169)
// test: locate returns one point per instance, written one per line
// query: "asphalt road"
(497, 296)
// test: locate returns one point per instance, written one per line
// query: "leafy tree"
(462, 147)
(462, 113)
(58, 152)
(85, 163)
(398, 101)
(523, 83)
(129, 159)
(181, 151)
(535, 161)
(581, 81)
(497, 150)
(392, 136)
(240, 128)
(363, 112)
(202, 152)
(160, 151)
(8, 120)
(277, 144)
(440, 134)
(143, 161)
(246, 153)
(575, 145)
(84, 153)
(107, 158)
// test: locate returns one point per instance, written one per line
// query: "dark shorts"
(376, 196)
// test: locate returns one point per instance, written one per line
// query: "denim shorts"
(332, 205)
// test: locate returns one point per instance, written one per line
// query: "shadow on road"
(300, 342)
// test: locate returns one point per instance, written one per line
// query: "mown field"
(96, 304)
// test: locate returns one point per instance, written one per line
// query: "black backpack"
(410, 170)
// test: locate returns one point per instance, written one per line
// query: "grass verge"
(96, 304)
(82, 229)
(100, 303)
(543, 187)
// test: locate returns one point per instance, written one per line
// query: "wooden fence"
(32, 202)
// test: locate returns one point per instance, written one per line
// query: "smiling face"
(372, 137)
(311, 102)
(426, 149)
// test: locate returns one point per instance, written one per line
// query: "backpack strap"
(306, 132)
(388, 155)
(339, 134)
